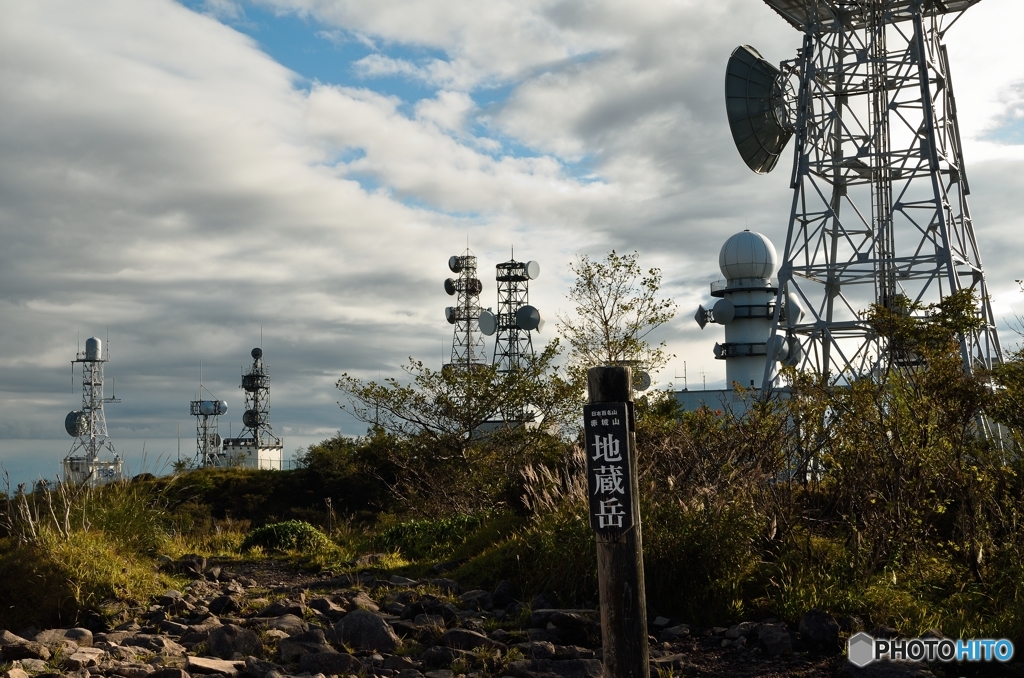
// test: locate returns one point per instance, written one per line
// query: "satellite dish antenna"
(758, 101)
(256, 353)
(454, 265)
(532, 269)
(449, 315)
(488, 323)
(724, 312)
(76, 423)
(642, 380)
(251, 418)
(449, 287)
(528, 318)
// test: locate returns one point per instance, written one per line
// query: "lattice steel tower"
(515, 319)
(879, 187)
(89, 425)
(256, 418)
(209, 446)
(467, 344)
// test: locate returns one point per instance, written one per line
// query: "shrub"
(291, 535)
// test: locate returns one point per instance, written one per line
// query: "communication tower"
(257, 447)
(515, 318)
(209, 446)
(879, 186)
(467, 344)
(88, 426)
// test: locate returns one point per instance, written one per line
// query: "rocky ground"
(264, 620)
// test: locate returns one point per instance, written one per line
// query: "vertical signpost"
(615, 518)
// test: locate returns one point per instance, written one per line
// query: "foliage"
(617, 307)
(291, 535)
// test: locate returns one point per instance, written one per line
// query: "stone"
(448, 585)
(224, 605)
(327, 607)
(536, 649)
(574, 628)
(437, 657)
(398, 580)
(283, 607)
(439, 673)
(309, 642)
(775, 639)
(568, 668)
(27, 649)
(365, 631)
(540, 602)
(820, 628)
(259, 668)
(191, 565)
(132, 670)
(207, 665)
(84, 658)
(169, 672)
(363, 602)
(288, 623)
(227, 640)
(78, 636)
(477, 600)
(464, 639)
(154, 643)
(330, 663)
(370, 559)
(15, 673)
(503, 594)
(674, 633)
(8, 638)
(397, 662)
(34, 665)
(408, 673)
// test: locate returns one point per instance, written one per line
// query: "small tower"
(515, 318)
(745, 306)
(88, 426)
(257, 447)
(209, 449)
(467, 344)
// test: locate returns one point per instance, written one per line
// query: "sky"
(192, 179)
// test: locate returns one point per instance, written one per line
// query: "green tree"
(617, 307)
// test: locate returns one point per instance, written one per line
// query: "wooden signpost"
(608, 427)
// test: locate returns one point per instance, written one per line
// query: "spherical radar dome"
(747, 255)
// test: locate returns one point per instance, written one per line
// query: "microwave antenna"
(88, 426)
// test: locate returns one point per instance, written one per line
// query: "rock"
(536, 649)
(676, 663)
(573, 628)
(540, 602)
(132, 670)
(15, 673)
(449, 585)
(154, 643)
(439, 673)
(169, 672)
(477, 600)
(26, 649)
(568, 668)
(363, 630)
(397, 662)
(310, 642)
(276, 634)
(885, 668)
(741, 630)
(8, 638)
(674, 633)
(208, 665)
(34, 665)
(775, 639)
(437, 657)
(169, 597)
(398, 580)
(282, 608)
(820, 628)
(191, 565)
(288, 623)
(78, 636)
(228, 640)
(224, 605)
(408, 673)
(327, 607)
(370, 559)
(259, 668)
(503, 595)
(363, 602)
(330, 663)
(84, 658)
(464, 639)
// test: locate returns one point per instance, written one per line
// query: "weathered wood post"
(615, 516)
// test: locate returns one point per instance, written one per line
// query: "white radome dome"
(747, 255)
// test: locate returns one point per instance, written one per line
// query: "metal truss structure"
(880, 191)
(467, 342)
(256, 417)
(511, 343)
(89, 425)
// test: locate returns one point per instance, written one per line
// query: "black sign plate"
(606, 431)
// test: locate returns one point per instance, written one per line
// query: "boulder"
(477, 600)
(84, 658)
(363, 602)
(283, 607)
(536, 649)
(259, 668)
(288, 623)
(363, 630)
(15, 673)
(80, 637)
(568, 668)
(775, 639)
(437, 657)
(207, 665)
(27, 649)
(228, 640)
(310, 642)
(820, 628)
(224, 605)
(154, 643)
(8, 638)
(503, 595)
(330, 663)
(674, 633)
(397, 662)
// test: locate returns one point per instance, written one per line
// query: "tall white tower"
(88, 426)
(745, 306)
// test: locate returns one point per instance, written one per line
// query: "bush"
(291, 535)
